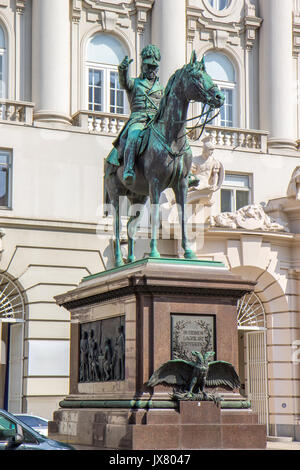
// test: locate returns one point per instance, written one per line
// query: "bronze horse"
(166, 159)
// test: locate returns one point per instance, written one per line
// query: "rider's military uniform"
(144, 98)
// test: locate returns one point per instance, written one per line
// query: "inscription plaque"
(102, 350)
(192, 333)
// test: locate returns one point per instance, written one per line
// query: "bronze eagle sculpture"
(191, 377)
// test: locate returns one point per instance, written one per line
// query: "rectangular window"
(235, 192)
(5, 179)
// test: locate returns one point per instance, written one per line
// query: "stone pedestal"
(143, 303)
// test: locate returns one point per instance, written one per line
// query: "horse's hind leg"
(137, 207)
(154, 199)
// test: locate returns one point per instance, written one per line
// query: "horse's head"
(199, 86)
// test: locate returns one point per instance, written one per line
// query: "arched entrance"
(11, 344)
(253, 354)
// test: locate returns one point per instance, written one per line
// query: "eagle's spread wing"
(223, 374)
(174, 372)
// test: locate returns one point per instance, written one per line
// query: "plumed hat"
(151, 55)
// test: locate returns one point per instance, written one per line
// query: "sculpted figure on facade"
(251, 217)
(293, 190)
(208, 169)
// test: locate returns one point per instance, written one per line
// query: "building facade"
(61, 106)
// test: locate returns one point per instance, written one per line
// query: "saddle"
(116, 158)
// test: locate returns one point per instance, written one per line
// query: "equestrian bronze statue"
(155, 148)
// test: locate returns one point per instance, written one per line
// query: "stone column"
(169, 34)
(51, 60)
(276, 73)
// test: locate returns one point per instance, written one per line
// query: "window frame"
(233, 190)
(3, 72)
(227, 86)
(106, 89)
(9, 167)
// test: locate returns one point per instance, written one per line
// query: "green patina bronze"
(145, 404)
(130, 404)
(189, 378)
(152, 152)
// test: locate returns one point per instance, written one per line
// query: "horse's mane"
(164, 100)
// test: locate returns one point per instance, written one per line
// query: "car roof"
(14, 418)
(31, 416)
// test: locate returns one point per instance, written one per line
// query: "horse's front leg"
(154, 200)
(180, 191)
(137, 207)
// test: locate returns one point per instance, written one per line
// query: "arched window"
(104, 53)
(2, 64)
(222, 72)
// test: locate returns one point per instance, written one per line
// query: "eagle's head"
(203, 360)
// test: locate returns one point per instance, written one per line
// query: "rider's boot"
(128, 173)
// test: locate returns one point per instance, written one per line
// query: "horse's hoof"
(190, 254)
(119, 263)
(154, 254)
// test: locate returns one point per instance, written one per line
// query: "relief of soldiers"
(119, 352)
(94, 365)
(107, 362)
(84, 358)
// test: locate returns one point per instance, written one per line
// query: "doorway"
(253, 355)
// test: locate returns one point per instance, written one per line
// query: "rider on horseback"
(144, 94)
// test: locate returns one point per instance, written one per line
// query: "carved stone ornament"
(226, 26)
(293, 190)
(20, 6)
(252, 217)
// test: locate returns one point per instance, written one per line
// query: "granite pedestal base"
(194, 425)
(124, 324)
